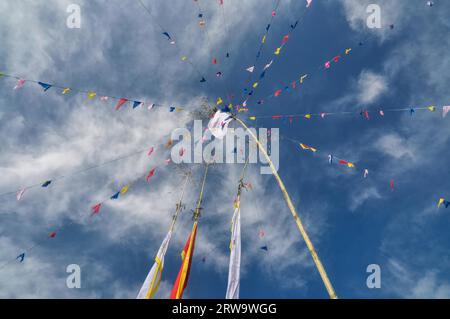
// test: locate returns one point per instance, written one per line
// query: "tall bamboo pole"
(299, 223)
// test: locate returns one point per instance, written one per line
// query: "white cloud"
(394, 145)
(370, 86)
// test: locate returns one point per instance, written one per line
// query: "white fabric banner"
(235, 255)
(153, 278)
(218, 125)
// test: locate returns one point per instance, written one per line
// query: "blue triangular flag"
(172, 108)
(264, 248)
(45, 86)
(136, 104)
(262, 74)
(115, 196)
(21, 256)
(46, 183)
(203, 80)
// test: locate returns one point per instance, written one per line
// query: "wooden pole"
(299, 223)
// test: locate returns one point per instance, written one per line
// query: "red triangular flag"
(96, 208)
(52, 235)
(121, 102)
(150, 174)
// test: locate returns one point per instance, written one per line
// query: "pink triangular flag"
(19, 84)
(445, 110)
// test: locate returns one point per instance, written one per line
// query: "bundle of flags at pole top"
(363, 113)
(91, 95)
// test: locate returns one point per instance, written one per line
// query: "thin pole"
(200, 196)
(179, 205)
(299, 223)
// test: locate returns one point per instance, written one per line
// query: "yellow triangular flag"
(255, 84)
(441, 201)
(252, 118)
(219, 101)
(431, 108)
(65, 91)
(91, 95)
(183, 58)
(308, 116)
(124, 189)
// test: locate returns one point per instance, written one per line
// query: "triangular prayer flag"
(445, 110)
(124, 189)
(285, 39)
(203, 80)
(250, 69)
(52, 234)
(45, 86)
(20, 194)
(121, 102)
(46, 183)
(431, 108)
(441, 201)
(136, 104)
(21, 257)
(91, 95)
(265, 248)
(308, 116)
(19, 84)
(306, 147)
(277, 92)
(65, 91)
(277, 51)
(219, 101)
(150, 174)
(96, 208)
(150, 151)
(115, 196)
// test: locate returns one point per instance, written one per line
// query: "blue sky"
(119, 50)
